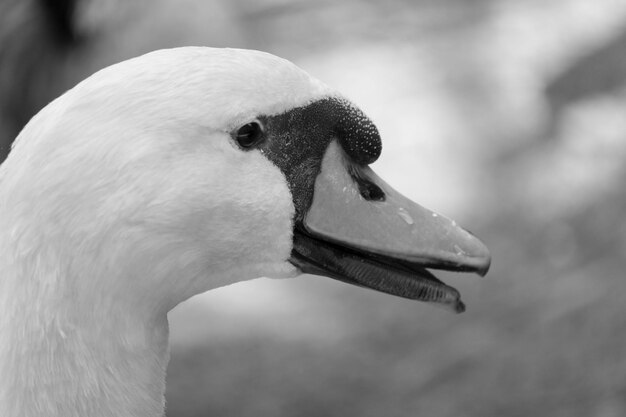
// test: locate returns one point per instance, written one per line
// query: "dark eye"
(249, 134)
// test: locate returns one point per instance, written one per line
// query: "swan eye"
(249, 134)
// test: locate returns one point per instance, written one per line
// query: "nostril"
(369, 190)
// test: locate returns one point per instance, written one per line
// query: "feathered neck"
(68, 358)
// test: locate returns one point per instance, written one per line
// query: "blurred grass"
(505, 115)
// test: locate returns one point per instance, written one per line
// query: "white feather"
(121, 199)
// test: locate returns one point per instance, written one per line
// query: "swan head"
(192, 168)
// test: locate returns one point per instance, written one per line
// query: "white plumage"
(121, 199)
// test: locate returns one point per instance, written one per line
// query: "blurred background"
(507, 115)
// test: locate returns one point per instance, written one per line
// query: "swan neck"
(79, 364)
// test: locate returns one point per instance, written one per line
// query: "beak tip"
(485, 266)
(479, 254)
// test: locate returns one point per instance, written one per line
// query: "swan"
(172, 174)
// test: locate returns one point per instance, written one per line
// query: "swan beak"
(361, 231)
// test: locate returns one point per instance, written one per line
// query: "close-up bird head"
(267, 233)
(192, 163)
(182, 171)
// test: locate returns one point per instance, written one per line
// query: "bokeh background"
(507, 115)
